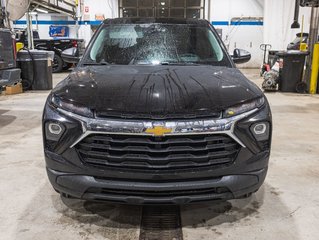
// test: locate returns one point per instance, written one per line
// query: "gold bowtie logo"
(158, 130)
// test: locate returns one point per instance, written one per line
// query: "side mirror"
(241, 56)
(71, 55)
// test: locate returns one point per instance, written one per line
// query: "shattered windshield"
(152, 44)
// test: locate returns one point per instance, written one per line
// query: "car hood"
(156, 92)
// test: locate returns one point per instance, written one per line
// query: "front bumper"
(129, 192)
(70, 176)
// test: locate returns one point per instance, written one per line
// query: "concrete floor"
(286, 207)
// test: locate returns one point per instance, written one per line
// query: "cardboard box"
(14, 89)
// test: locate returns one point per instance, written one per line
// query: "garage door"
(162, 8)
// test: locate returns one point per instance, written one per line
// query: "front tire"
(67, 66)
(57, 64)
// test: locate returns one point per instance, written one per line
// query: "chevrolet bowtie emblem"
(159, 131)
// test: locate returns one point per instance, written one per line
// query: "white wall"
(108, 8)
(43, 29)
(278, 17)
(248, 37)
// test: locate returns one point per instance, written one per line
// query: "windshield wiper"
(179, 63)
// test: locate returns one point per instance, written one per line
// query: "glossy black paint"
(155, 92)
(73, 164)
(78, 178)
(241, 56)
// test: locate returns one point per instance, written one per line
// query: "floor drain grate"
(161, 223)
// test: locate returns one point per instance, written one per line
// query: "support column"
(313, 38)
(30, 30)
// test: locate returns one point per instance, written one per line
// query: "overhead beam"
(54, 8)
(69, 2)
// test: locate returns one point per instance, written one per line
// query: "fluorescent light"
(41, 10)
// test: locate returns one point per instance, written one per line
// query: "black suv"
(157, 113)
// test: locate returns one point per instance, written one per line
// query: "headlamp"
(68, 106)
(54, 130)
(242, 108)
(261, 130)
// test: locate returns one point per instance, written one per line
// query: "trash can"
(292, 71)
(36, 69)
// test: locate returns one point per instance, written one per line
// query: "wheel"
(67, 66)
(301, 87)
(57, 64)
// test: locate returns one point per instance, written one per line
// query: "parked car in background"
(157, 113)
(55, 45)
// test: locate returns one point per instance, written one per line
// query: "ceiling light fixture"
(41, 10)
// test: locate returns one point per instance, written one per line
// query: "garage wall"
(93, 9)
(43, 21)
(274, 29)
(245, 34)
(278, 17)
(108, 8)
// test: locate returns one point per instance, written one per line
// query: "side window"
(216, 46)
(97, 47)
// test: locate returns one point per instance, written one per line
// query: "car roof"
(136, 20)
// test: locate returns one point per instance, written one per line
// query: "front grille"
(153, 116)
(148, 152)
(175, 193)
